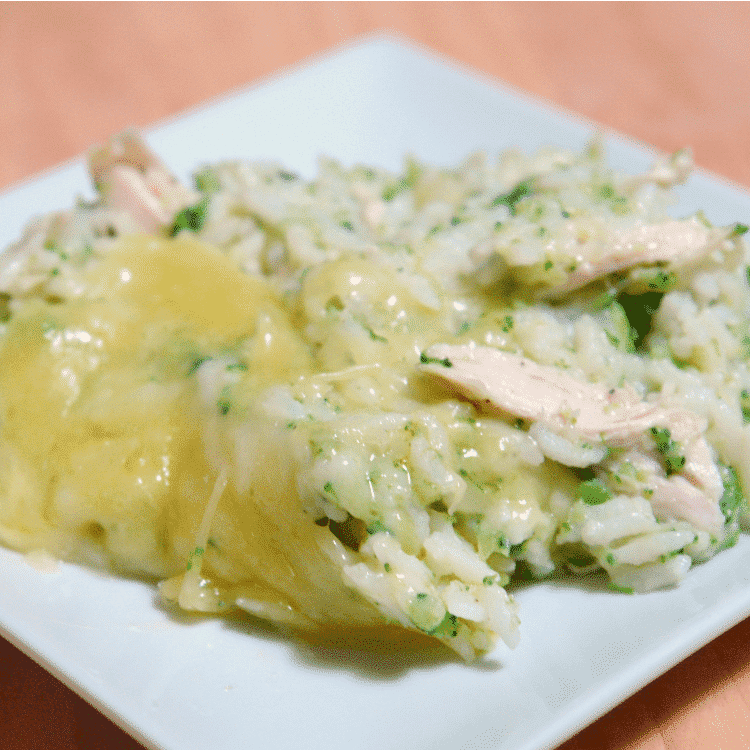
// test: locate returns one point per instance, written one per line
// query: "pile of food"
(376, 398)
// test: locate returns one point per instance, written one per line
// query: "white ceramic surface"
(204, 684)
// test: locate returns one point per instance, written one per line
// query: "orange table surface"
(669, 74)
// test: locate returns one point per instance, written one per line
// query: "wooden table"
(668, 74)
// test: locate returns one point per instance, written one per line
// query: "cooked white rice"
(435, 501)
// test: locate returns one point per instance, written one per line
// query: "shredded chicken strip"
(130, 177)
(591, 412)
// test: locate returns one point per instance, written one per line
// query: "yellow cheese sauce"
(102, 442)
(110, 452)
(101, 430)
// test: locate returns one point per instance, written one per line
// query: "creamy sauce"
(104, 454)
(99, 415)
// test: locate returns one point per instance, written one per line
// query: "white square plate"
(207, 683)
